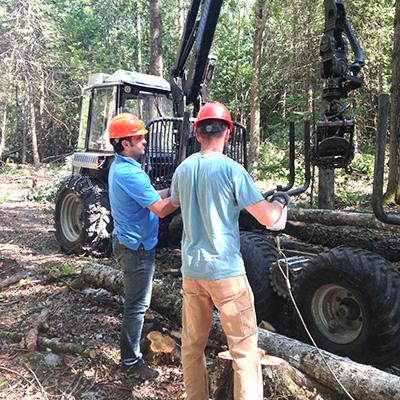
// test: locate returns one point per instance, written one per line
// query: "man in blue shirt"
(135, 207)
(211, 190)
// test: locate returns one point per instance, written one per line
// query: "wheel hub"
(338, 313)
(71, 217)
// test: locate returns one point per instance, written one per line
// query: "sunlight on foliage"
(10, 168)
(59, 270)
(47, 191)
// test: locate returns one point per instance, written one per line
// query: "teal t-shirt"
(211, 189)
(131, 192)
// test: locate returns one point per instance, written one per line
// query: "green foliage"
(273, 162)
(47, 191)
(10, 168)
(59, 270)
(5, 195)
(64, 41)
(364, 163)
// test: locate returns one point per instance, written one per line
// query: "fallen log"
(355, 377)
(33, 333)
(337, 218)
(385, 244)
(166, 298)
(362, 381)
(13, 279)
(52, 344)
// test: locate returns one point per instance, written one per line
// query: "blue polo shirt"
(131, 192)
(212, 189)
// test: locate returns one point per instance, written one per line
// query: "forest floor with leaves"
(87, 318)
(28, 246)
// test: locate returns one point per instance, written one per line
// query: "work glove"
(281, 197)
(284, 199)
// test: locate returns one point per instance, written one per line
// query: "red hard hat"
(124, 125)
(214, 111)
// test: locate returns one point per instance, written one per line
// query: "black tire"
(258, 254)
(350, 301)
(82, 216)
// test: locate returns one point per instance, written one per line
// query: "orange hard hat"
(214, 111)
(124, 125)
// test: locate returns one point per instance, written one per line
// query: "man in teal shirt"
(211, 190)
(135, 207)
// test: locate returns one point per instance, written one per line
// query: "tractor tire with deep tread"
(258, 254)
(350, 301)
(83, 219)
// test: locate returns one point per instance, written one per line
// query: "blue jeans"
(138, 268)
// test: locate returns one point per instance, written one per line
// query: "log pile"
(381, 242)
(335, 228)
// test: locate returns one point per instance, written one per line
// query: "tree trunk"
(393, 188)
(24, 131)
(355, 377)
(181, 18)
(32, 123)
(3, 131)
(42, 104)
(385, 244)
(138, 54)
(156, 30)
(260, 21)
(326, 188)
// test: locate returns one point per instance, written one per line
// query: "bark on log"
(53, 344)
(362, 381)
(355, 377)
(33, 333)
(166, 298)
(385, 244)
(336, 218)
(13, 279)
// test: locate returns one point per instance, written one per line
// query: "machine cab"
(146, 96)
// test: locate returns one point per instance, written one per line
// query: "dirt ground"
(28, 244)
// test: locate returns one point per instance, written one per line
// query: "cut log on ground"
(355, 377)
(161, 347)
(13, 279)
(33, 333)
(378, 241)
(337, 218)
(279, 379)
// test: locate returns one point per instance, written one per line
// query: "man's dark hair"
(212, 128)
(117, 144)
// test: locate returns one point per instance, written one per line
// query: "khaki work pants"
(234, 300)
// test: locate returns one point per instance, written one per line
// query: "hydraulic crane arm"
(333, 145)
(193, 67)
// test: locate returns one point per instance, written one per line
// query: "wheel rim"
(338, 314)
(71, 217)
